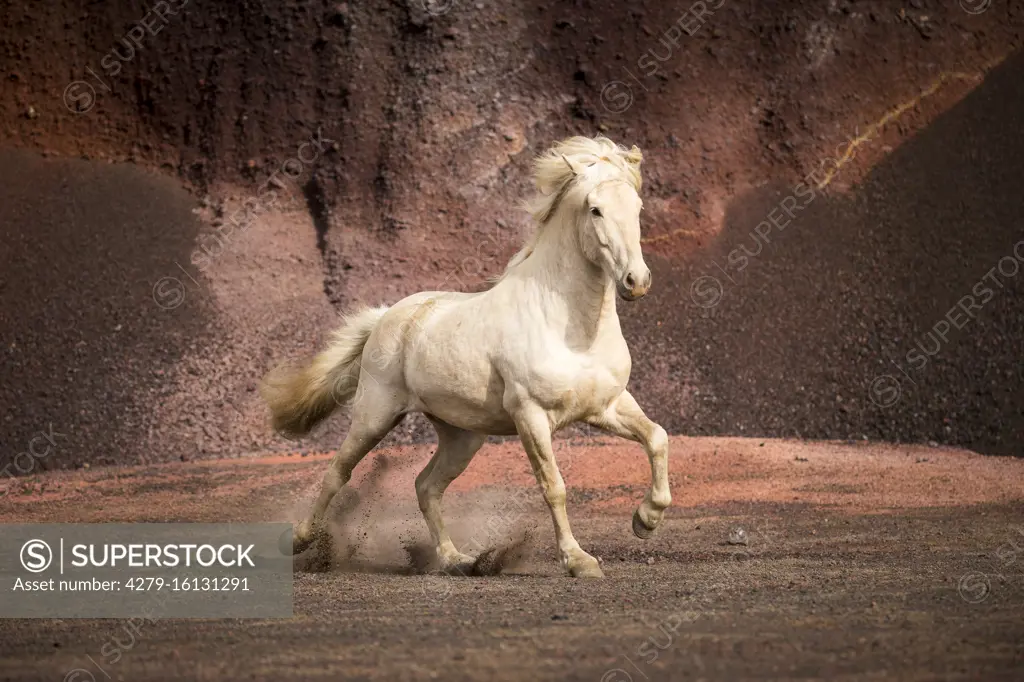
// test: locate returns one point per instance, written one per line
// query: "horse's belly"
(466, 405)
(467, 415)
(453, 380)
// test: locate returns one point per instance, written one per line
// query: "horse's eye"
(595, 211)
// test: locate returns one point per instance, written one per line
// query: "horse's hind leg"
(455, 449)
(374, 414)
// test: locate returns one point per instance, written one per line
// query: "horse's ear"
(574, 167)
(634, 156)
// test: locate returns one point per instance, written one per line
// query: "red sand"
(704, 471)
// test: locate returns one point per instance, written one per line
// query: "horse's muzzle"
(631, 287)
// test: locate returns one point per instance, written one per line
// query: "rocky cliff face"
(346, 153)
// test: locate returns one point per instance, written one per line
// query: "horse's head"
(609, 234)
(594, 185)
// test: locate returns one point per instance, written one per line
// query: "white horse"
(539, 350)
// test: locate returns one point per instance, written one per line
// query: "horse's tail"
(300, 399)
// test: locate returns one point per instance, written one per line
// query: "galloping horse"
(539, 350)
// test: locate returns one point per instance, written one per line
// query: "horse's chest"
(600, 382)
(584, 383)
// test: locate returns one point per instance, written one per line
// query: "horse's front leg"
(535, 432)
(625, 418)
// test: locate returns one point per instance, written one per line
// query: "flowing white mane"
(570, 169)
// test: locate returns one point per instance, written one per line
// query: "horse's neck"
(574, 293)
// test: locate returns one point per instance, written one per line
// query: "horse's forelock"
(554, 174)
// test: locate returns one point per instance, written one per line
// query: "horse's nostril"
(630, 282)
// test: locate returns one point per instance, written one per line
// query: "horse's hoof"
(640, 529)
(586, 570)
(458, 565)
(582, 565)
(290, 544)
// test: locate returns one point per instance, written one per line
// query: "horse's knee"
(658, 442)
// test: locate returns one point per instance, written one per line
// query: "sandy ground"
(864, 561)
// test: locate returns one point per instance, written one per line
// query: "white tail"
(301, 399)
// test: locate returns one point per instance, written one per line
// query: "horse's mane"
(553, 176)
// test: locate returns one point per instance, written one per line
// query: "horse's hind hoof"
(640, 529)
(290, 545)
(460, 565)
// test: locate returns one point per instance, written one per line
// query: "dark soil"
(830, 325)
(822, 590)
(853, 598)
